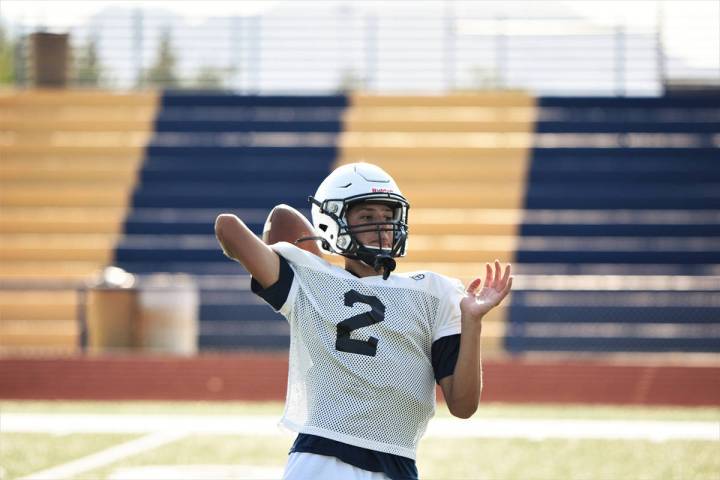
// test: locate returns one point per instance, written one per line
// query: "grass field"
(220, 456)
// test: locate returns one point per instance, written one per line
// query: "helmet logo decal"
(382, 190)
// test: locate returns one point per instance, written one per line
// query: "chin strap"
(382, 262)
(387, 263)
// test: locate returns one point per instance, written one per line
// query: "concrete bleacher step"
(434, 125)
(75, 98)
(158, 174)
(61, 270)
(70, 151)
(356, 153)
(461, 115)
(51, 121)
(21, 117)
(235, 126)
(77, 139)
(66, 194)
(19, 220)
(60, 171)
(466, 195)
(107, 156)
(34, 333)
(249, 155)
(29, 303)
(463, 229)
(496, 99)
(68, 247)
(478, 140)
(68, 164)
(438, 170)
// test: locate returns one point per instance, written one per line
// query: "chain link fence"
(323, 47)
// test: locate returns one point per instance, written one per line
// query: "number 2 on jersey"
(376, 315)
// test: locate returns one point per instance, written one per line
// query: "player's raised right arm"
(241, 244)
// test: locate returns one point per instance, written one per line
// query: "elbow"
(464, 411)
(224, 224)
(461, 402)
(464, 407)
(221, 223)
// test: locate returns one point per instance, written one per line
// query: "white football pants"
(304, 466)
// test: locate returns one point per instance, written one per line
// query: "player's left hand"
(479, 301)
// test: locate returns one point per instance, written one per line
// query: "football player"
(366, 346)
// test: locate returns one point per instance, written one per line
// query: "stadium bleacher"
(627, 220)
(68, 160)
(222, 153)
(608, 207)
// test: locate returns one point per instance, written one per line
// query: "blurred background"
(576, 139)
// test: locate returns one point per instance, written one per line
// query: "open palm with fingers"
(480, 300)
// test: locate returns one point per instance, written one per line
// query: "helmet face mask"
(347, 187)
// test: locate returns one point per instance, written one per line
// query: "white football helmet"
(346, 186)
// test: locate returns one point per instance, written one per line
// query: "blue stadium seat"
(201, 163)
(622, 210)
(593, 211)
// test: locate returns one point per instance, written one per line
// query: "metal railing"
(343, 47)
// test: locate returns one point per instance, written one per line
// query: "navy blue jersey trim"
(444, 355)
(394, 466)
(277, 293)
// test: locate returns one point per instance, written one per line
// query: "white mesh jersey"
(360, 352)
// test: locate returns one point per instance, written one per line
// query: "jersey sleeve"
(444, 356)
(447, 321)
(281, 295)
(276, 295)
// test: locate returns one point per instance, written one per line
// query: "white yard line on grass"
(535, 429)
(108, 456)
(198, 472)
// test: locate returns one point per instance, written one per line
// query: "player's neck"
(360, 269)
